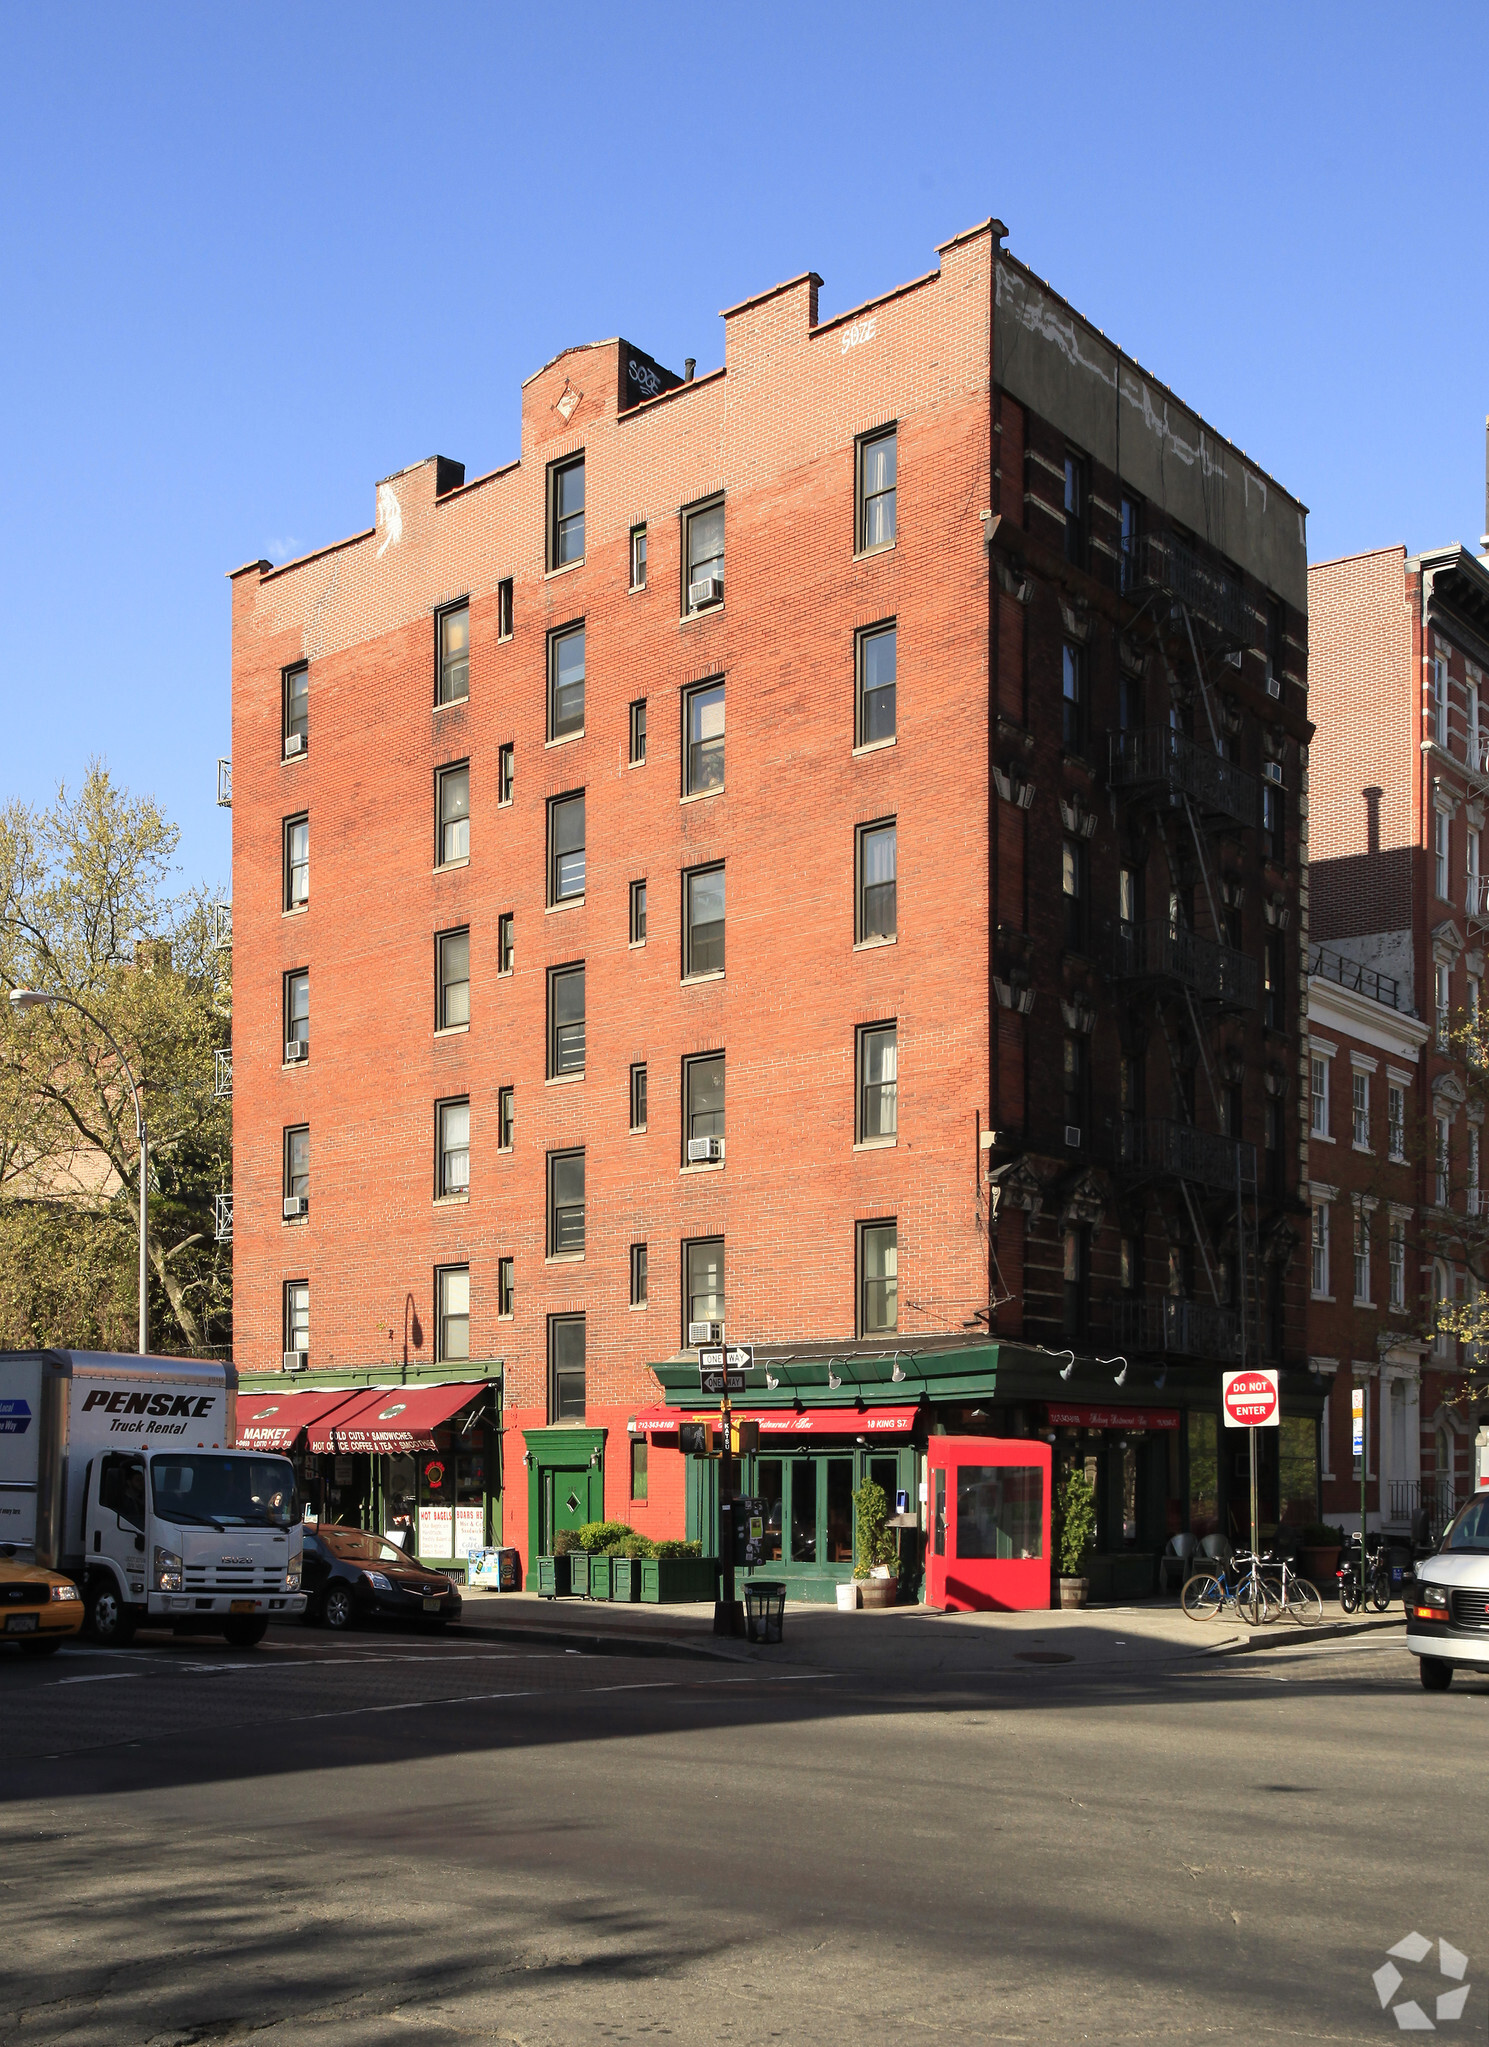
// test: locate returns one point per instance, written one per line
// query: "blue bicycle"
(1237, 1587)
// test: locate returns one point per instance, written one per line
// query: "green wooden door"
(565, 1503)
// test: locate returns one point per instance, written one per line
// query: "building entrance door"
(565, 1503)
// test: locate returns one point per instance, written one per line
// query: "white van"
(1447, 1606)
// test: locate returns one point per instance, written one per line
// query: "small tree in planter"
(876, 1552)
(1075, 1534)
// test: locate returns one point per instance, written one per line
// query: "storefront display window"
(400, 1503)
(999, 1510)
(1204, 1475)
(839, 1511)
(768, 1490)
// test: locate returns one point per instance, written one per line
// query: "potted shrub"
(599, 1540)
(554, 1578)
(626, 1567)
(1319, 1559)
(679, 1571)
(876, 1553)
(1075, 1535)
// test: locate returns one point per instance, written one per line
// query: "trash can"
(765, 1611)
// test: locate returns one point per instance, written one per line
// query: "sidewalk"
(899, 1641)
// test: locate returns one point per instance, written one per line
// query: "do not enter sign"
(1250, 1400)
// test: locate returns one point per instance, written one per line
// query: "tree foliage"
(1456, 1229)
(90, 910)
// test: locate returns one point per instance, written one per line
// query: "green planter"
(627, 1578)
(601, 1577)
(580, 1561)
(553, 1577)
(671, 1581)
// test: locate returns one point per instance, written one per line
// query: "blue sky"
(255, 258)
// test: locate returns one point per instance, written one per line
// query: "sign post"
(721, 1370)
(1251, 1401)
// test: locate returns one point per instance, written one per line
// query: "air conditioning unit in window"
(297, 1361)
(1274, 685)
(705, 1332)
(294, 742)
(296, 1048)
(1073, 1136)
(705, 1151)
(709, 591)
(1272, 771)
(296, 1204)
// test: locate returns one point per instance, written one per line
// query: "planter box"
(553, 1577)
(601, 1577)
(672, 1581)
(579, 1565)
(1120, 1576)
(877, 1592)
(625, 1579)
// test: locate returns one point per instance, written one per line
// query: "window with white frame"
(1396, 1120)
(1360, 1088)
(1473, 1046)
(1442, 1294)
(1319, 1123)
(1441, 1139)
(1471, 718)
(1441, 847)
(1438, 701)
(1362, 1253)
(1471, 903)
(1442, 1002)
(1396, 1261)
(1320, 1250)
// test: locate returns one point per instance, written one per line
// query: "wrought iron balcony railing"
(1383, 988)
(1186, 1329)
(1158, 1147)
(1159, 562)
(225, 783)
(222, 1206)
(1159, 951)
(1158, 758)
(223, 1080)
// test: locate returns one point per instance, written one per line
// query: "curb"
(1328, 1631)
(603, 1644)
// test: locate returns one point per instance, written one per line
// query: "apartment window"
(1396, 1121)
(1438, 704)
(297, 1317)
(877, 906)
(565, 1021)
(1443, 1001)
(877, 666)
(1130, 530)
(454, 814)
(1274, 647)
(1075, 510)
(1129, 701)
(638, 913)
(566, 682)
(1360, 1087)
(1362, 1255)
(297, 1167)
(297, 1014)
(452, 956)
(565, 1204)
(638, 557)
(877, 468)
(1473, 1043)
(452, 1148)
(1073, 891)
(1474, 903)
(1442, 1138)
(1075, 1258)
(703, 1099)
(878, 1277)
(296, 862)
(703, 1283)
(1441, 863)
(703, 555)
(1073, 689)
(1320, 1250)
(638, 1097)
(296, 710)
(638, 1466)
(1442, 1294)
(1076, 1090)
(1396, 1261)
(506, 1118)
(452, 1313)
(453, 640)
(566, 848)
(878, 1082)
(1471, 724)
(1128, 1265)
(506, 1288)
(638, 1275)
(1274, 991)
(504, 608)
(1129, 895)
(506, 773)
(703, 909)
(566, 1368)
(703, 746)
(505, 942)
(1276, 1157)
(638, 732)
(1274, 822)
(566, 501)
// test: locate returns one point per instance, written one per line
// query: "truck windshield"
(1471, 1529)
(226, 1492)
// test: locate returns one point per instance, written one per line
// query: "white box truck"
(121, 1471)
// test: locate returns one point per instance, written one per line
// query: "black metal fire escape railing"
(1178, 1328)
(1161, 951)
(1157, 758)
(1158, 1147)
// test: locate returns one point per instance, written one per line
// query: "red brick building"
(788, 854)
(1399, 784)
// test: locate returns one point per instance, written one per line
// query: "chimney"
(690, 363)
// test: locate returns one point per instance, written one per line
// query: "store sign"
(437, 1532)
(785, 1421)
(1357, 1420)
(1111, 1417)
(1251, 1400)
(470, 1530)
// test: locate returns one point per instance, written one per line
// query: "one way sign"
(722, 1370)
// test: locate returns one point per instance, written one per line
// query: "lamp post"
(33, 998)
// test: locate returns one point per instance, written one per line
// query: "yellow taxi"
(39, 1609)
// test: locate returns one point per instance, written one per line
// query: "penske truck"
(122, 1472)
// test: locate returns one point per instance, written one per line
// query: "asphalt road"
(388, 1839)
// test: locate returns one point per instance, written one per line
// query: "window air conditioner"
(296, 1204)
(294, 742)
(705, 1150)
(1274, 685)
(1272, 771)
(705, 1332)
(296, 1048)
(1073, 1136)
(297, 1361)
(709, 591)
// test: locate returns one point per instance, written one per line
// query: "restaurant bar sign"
(1111, 1417)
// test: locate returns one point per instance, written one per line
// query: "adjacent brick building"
(789, 853)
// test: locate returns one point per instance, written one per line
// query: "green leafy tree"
(1075, 1522)
(89, 909)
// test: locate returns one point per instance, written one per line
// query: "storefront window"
(1129, 1494)
(999, 1510)
(1298, 1452)
(400, 1502)
(768, 1492)
(804, 1513)
(1204, 1492)
(839, 1511)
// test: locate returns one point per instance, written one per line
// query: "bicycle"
(1208, 1594)
(1294, 1594)
(1375, 1582)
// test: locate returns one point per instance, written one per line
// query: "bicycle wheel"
(1256, 1603)
(1380, 1591)
(1303, 1602)
(1349, 1595)
(1203, 1597)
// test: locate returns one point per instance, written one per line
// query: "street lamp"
(33, 998)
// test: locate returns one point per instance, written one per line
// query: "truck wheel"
(112, 1622)
(245, 1634)
(337, 1610)
(1436, 1675)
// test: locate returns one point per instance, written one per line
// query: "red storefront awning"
(273, 1421)
(1111, 1417)
(785, 1421)
(391, 1419)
